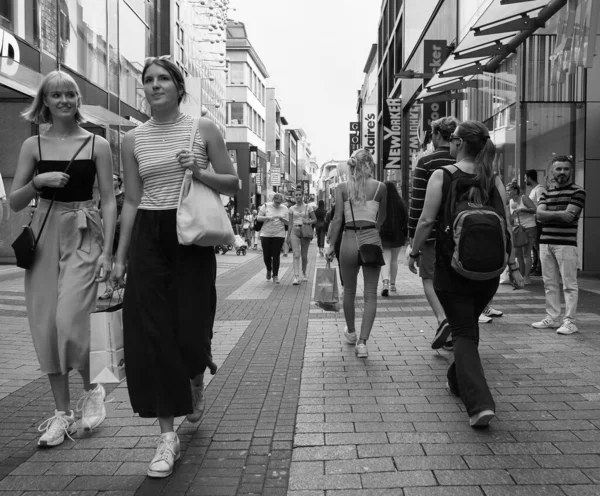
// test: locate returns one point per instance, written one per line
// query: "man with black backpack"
(467, 204)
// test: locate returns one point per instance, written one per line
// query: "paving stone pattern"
(293, 411)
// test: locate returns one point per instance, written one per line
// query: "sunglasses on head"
(149, 60)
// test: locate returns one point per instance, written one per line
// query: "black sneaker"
(441, 335)
(448, 346)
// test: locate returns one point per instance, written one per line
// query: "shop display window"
(21, 18)
(133, 33)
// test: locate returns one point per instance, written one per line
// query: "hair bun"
(352, 162)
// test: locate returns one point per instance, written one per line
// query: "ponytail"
(484, 172)
(361, 169)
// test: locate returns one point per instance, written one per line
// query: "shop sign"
(434, 55)
(392, 133)
(10, 53)
(253, 159)
(275, 176)
(354, 137)
(369, 129)
(414, 134)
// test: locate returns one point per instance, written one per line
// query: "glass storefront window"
(416, 17)
(21, 18)
(133, 33)
(113, 46)
(83, 38)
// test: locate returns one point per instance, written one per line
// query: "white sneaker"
(91, 406)
(56, 428)
(492, 312)
(393, 288)
(198, 402)
(304, 278)
(481, 419)
(351, 337)
(296, 282)
(567, 327)
(361, 350)
(546, 323)
(167, 453)
(484, 319)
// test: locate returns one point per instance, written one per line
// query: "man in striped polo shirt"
(441, 130)
(558, 212)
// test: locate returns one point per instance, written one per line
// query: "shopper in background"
(300, 214)
(441, 130)
(247, 227)
(535, 195)
(74, 249)
(464, 299)
(338, 242)
(393, 236)
(361, 204)
(320, 226)
(170, 298)
(274, 216)
(523, 213)
(119, 199)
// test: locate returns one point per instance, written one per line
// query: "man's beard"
(562, 178)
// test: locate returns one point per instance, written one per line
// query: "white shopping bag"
(107, 358)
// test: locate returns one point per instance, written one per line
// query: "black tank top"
(82, 175)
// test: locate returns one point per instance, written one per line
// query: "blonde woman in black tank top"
(74, 250)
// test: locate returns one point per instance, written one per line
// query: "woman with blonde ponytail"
(464, 299)
(364, 202)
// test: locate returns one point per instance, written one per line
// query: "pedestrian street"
(291, 410)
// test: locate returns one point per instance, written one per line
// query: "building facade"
(246, 113)
(275, 141)
(479, 59)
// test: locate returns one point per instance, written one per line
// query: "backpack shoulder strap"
(377, 190)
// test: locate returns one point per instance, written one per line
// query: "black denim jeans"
(463, 305)
(271, 253)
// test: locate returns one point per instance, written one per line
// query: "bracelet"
(513, 270)
(414, 256)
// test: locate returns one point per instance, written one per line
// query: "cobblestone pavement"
(293, 411)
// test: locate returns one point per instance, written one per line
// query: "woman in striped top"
(170, 297)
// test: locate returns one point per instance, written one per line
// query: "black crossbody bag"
(370, 255)
(26, 243)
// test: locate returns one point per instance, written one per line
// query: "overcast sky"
(315, 52)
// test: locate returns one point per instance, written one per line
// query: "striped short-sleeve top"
(156, 146)
(557, 199)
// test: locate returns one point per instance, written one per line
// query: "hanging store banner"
(275, 176)
(434, 55)
(392, 133)
(414, 135)
(369, 130)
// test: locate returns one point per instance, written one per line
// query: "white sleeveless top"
(156, 145)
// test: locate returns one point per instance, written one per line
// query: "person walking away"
(320, 226)
(73, 253)
(369, 206)
(255, 234)
(300, 215)
(274, 216)
(119, 199)
(247, 227)
(535, 195)
(393, 236)
(559, 211)
(170, 298)
(463, 298)
(441, 130)
(523, 213)
(236, 223)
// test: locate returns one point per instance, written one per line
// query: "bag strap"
(377, 190)
(55, 193)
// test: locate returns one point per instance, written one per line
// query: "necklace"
(65, 136)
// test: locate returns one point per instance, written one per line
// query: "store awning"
(495, 35)
(104, 117)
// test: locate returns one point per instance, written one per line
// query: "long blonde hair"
(361, 170)
(38, 112)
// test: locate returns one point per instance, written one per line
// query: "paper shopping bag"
(107, 358)
(326, 289)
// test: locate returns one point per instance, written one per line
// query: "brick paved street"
(293, 411)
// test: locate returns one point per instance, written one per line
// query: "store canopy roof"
(104, 117)
(495, 35)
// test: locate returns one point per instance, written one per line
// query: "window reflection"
(82, 29)
(132, 42)
(21, 18)
(417, 15)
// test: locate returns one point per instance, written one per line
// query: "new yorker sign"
(434, 55)
(10, 53)
(392, 133)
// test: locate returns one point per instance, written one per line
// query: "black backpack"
(474, 237)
